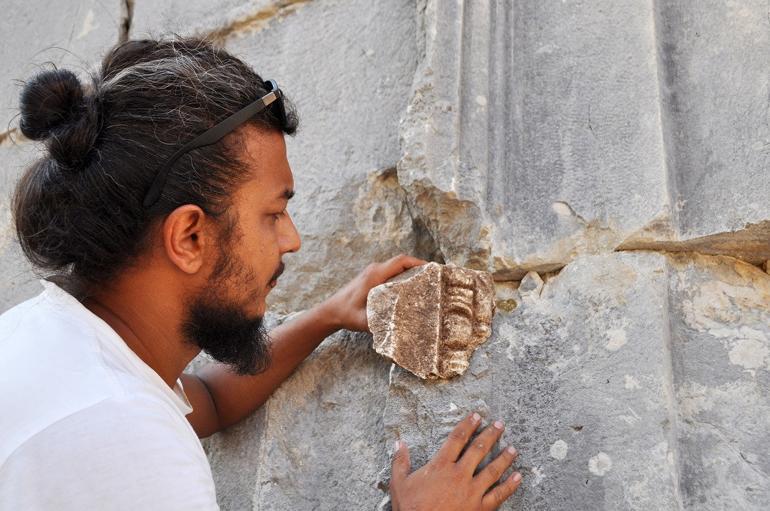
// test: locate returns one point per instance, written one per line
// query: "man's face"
(224, 318)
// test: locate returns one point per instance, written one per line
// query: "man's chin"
(233, 336)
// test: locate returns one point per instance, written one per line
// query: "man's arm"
(221, 398)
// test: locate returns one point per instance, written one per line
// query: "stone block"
(533, 131)
(720, 312)
(713, 60)
(538, 131)
(430, 319)
(73, 35)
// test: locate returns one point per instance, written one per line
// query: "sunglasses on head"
(214, 134)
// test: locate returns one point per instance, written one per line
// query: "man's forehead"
(265, 158)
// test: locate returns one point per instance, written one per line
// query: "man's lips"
(277, 274)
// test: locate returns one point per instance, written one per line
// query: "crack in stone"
(750, 244)
(718, 431)
(256, 21)
(127, 16)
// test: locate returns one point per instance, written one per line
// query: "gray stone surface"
(537, 131)
(714, 57)
(68, 34)
(530, 138)
(629, 382)
(206, 18)
(578, 374)
(17, 280)
(349, 208)
(720, 312)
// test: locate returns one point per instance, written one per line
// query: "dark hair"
(78, 210)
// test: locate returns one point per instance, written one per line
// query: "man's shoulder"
(116, 420)
(50, 369)
(123, 447)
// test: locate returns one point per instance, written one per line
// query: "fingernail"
(511, 450)
(476, 417)
(498, 425)
(397, 445)
(516, 477)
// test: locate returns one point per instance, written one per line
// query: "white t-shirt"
(85, 424)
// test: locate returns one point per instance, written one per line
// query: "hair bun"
(50, 101)
(54, 103)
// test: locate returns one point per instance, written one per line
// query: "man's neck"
(147, 320)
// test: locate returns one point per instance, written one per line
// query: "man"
(160, 208)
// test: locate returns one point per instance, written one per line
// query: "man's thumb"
(401, 466)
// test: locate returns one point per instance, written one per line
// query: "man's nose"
(291, 239)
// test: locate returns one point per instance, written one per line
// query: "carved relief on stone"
(430, 319)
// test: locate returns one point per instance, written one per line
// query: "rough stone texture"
(630, 382)
(17, 280)
(430, 319)
(71, 34)
(578, 127)
(218, 19)
(720, 333)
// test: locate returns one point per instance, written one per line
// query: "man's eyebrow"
(287, 194)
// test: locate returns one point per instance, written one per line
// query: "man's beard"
(221, 327)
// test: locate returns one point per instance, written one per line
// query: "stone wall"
(606, 161)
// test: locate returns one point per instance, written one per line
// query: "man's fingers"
(396, 265)
(497, 495)
(401, 466)
(492, 472)
(458, 438)
(480, 447)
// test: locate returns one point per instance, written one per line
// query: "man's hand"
(348, 305)
(447, 482)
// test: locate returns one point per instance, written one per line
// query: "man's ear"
(186, 237)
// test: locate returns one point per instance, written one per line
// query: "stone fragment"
(430, 319)
(531, 286)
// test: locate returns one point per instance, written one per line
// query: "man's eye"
(277, 216)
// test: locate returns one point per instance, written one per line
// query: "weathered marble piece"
(430, 319)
